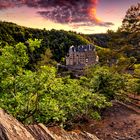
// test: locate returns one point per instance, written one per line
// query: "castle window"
(86, 60)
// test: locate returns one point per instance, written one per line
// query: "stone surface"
(11, 129)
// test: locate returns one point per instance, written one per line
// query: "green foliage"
(123, 64)
(34, 44)
(103, 80)
(105, 55)
(131, 84)
(41, 96)
(46, 59)
(137, 70)
(137, 91)
(66, 100)
(99, 39)
(12, 66)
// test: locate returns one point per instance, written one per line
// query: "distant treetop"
(131, 22)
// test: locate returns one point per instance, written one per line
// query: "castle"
(81, 56)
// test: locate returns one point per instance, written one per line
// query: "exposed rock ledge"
(11, 129)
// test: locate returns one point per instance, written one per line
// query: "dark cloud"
(74, 12)
(69, 11)
(4, 4)
(91, 24)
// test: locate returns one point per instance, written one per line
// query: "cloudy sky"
(84, 16)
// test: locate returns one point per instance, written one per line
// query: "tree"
(46, 59)
(13, 60)
(131, 22)
(104, 81)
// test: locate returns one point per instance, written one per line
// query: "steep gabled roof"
(82, 48)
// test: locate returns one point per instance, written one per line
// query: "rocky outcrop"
(40, 132)
(11, 129)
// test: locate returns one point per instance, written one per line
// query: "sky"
(82, 16)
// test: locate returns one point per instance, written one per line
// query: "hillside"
(121, 42)
(100, 39)
(116, 45)
(57, 41)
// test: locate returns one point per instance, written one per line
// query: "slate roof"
(82, 48)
